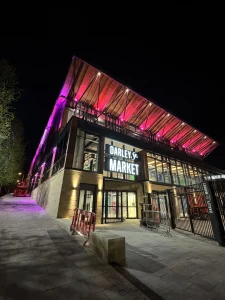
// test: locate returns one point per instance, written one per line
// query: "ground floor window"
(119, 205)
(87, 197)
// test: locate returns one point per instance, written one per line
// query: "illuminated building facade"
(107, 149)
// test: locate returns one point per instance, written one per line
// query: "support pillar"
(52, 162)
(214, 214)
(41, 174)
(71, 144)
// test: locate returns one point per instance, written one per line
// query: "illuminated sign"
(121, 160)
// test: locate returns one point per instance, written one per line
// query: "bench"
(110, 246)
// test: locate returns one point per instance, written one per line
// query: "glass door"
(119, 205)
(131, 205)
(159, 201)
(87, 197)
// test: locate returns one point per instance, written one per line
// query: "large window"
(165, 170)
(86, 151)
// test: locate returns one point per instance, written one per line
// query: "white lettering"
(115, 150)
(133, 169)
(119, 152)
(129, 154)
(129, 168)
(119, 166)
(137, 169)
(124, 167)
(112, 164)
(125, 153)
(111, 150)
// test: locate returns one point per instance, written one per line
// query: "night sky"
(178, 64)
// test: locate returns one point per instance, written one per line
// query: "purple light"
(59, 105)
(43, 164)
(54, 149)
(76, 100)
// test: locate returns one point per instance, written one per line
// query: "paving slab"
(40, 260)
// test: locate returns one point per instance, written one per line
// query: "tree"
(9, 92)
(11, 132)
(14, 152)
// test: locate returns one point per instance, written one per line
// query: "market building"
(108, 149)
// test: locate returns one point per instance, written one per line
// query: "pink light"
(43, 164)
(158, 134)
(121, 119)
(76, 100)
(172, 141)
(54, 149)
(141, 128)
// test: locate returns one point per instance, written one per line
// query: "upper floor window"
(86, 151)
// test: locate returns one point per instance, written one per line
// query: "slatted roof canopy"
(106, 95)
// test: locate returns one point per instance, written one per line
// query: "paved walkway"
(34, 264)
(181, 267)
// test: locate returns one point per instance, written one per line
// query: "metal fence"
(155, 219)
(191, 211)
(219, 192)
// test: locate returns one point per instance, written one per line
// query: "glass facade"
(170, 171)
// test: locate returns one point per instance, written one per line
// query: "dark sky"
(177, 62)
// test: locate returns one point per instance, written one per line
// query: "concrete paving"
(179, 267)
(183, 266)
(33, 267)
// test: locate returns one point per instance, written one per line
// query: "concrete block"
(110, 246)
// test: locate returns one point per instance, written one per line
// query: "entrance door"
(159, 201)
(87, 197)
(129, 205)
(119, 205)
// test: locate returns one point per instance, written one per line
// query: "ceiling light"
(99, 73)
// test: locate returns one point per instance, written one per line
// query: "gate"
(191, 211)
(219, 193)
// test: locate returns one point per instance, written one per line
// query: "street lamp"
(19, 173)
